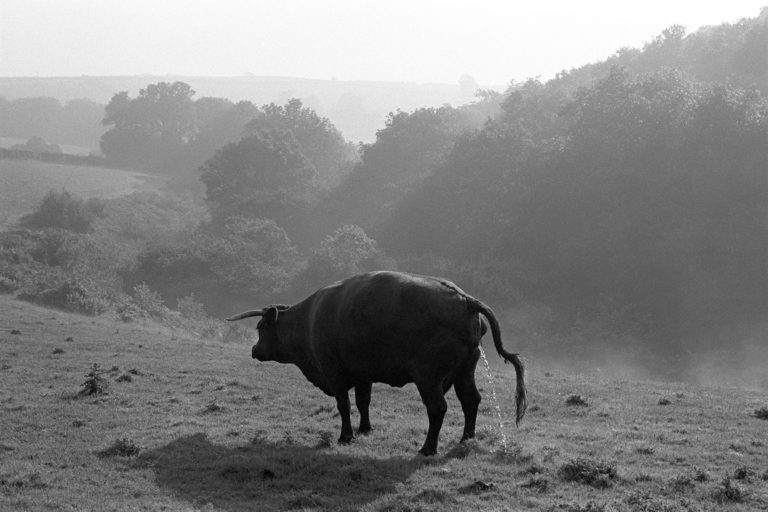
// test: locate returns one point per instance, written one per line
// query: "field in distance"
(23, 183)
(191, 424)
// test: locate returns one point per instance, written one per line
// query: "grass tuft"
(538, 483)
(664, 401)
(213, 408)
(591, 472)
(729, 492)
(762, 413)
(576, 401)
(682, 484)
(744, 473)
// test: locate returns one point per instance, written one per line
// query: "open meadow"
(191, 424)
(23, 183)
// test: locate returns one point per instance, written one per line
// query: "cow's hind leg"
(342, 402)
(432, 396)
(363, 401)
(469, 396)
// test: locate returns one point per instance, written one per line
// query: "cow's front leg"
(363, 401)
(342, 402)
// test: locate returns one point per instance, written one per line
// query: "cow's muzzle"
(253, 352)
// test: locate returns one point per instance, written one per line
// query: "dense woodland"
(624, 199)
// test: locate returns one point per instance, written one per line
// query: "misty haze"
(601, 223)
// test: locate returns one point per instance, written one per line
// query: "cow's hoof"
(364, 431)
(428, 452)
(345, 439)
(466, 437)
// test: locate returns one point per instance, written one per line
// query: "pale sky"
(495, 41)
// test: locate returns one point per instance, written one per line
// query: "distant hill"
(357, 108)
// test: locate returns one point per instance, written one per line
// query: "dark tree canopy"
(149, 131)
(261, 176)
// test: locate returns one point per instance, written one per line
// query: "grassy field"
(23, 183)
(188, 424)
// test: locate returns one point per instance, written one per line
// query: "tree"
(149, 131)
(318, 138)
(65, 211)
(262, 176)
(348, 251)
(405, 152)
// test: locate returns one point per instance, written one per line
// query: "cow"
(388, 327)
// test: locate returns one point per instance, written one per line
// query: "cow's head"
(270, 346)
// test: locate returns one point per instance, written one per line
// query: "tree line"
(630, 193)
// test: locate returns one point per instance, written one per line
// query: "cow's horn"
(247, 314)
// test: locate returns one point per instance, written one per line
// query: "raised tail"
(521, 401)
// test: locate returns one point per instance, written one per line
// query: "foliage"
(122, 447)
(149, 131)
(250, 259)
(346, 252)
(591, 472)
(62, 210)
(320, 141)
(149, 302)
(640, 193)
(406, 151)
(37, 145)
(261, 176)
(190, 308)
(94, 383)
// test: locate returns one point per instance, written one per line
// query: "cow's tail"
(521, 401)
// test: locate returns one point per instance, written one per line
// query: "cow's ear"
(270, 314)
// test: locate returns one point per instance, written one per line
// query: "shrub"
(577, 401)
(60, 290)
(95, 383)
(596, 473)
(149, 302)
(190, 308)
(63, 210)
(729, 492)
(120, 448)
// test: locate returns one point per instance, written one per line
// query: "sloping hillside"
(188, 424)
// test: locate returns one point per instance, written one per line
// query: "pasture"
(192, 424)
(23, 183)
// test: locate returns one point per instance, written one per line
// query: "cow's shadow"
(264, 475)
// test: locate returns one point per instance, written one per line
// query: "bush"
(149, 302)
(95, 383)
(729, 492)
(348, 251)
(598, 474)
(59, 290)
(120, 448)
(190, 308)
(63, 210)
